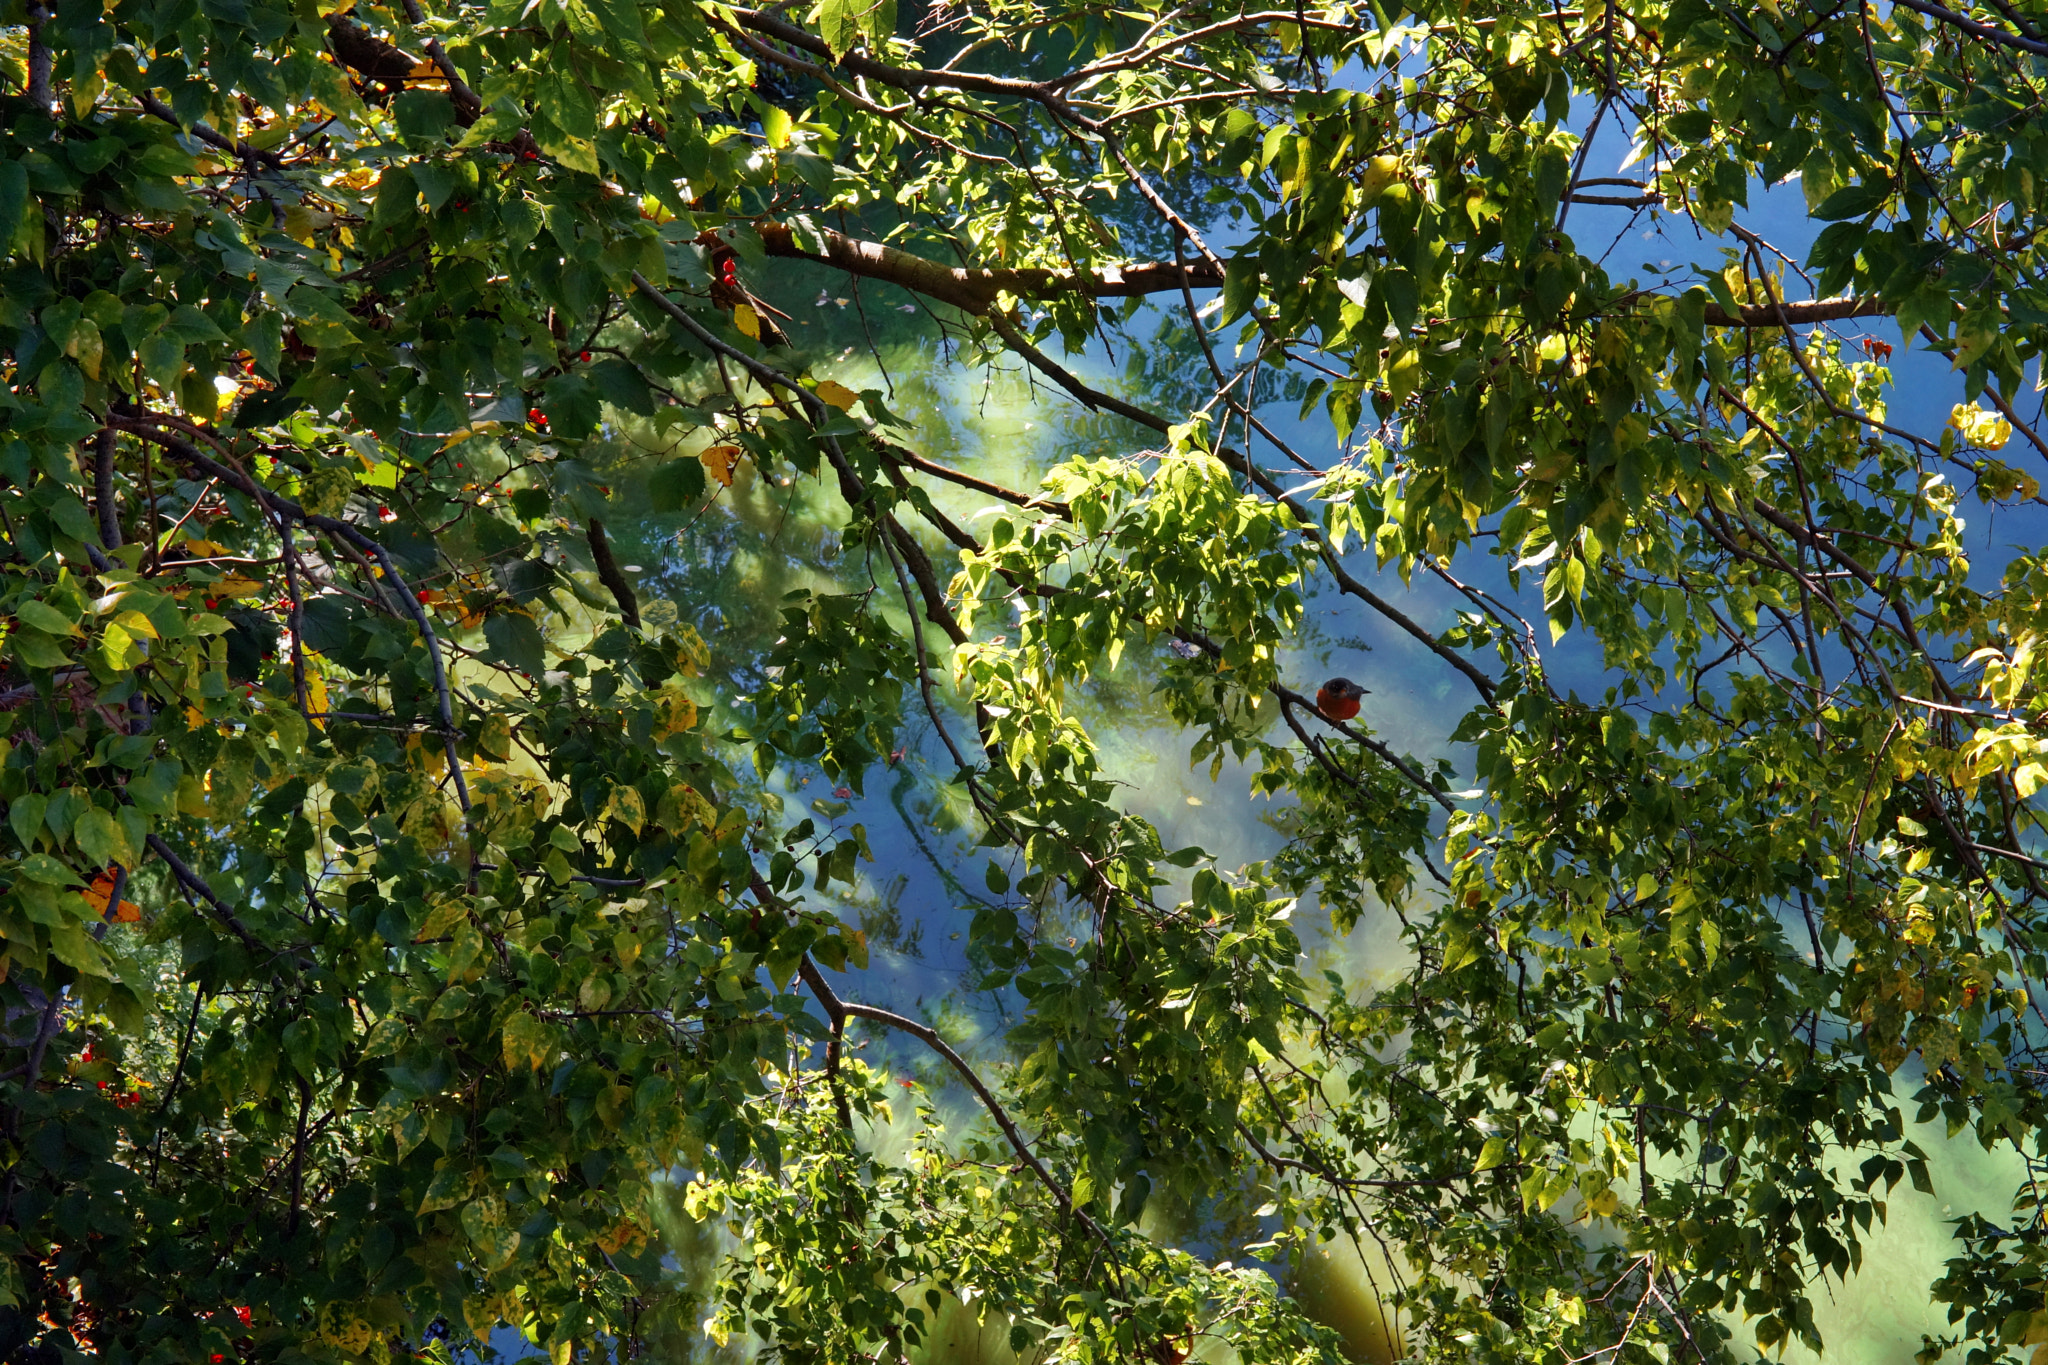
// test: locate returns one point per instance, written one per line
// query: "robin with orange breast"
(1338, 698)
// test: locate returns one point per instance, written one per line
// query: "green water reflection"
(728, 569)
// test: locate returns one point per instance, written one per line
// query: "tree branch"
(609, 574)
(838, 1010)
(351, 537)
(1976, 29)
(195, 885)
(974, 290)
(206, 133)
(1797, 314)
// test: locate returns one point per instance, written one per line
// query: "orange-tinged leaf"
(747, 320)
(718, 462)
(838, 395)
(96, 895)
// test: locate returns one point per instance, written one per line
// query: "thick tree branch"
(913, 79)
(1976, 29)
(1797, 314)
(468, 105)
(609, 574)
(974, 290)
(103, 489)
(42, 59)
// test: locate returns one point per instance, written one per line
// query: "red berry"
(422, 594)
(585, 355)
(536, 416)
(212, 602)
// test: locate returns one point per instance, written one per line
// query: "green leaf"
(1492, 1154)
(41, 867)
(102, 838)
(45, 618)
(676, 485)
(14, 201)
(622, 386)
(1856, 201)
(515, 641)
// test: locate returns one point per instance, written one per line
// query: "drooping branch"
(351, 537)
(839, 1009)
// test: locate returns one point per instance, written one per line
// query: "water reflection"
(728, 568)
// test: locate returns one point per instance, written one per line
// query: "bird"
(1338, 698)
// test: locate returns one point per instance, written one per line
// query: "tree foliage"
(395, 903)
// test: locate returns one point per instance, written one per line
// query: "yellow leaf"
(718, 462)
(442, 920)
(86, 92)
(457, 437)
(527, 1041)
(627, 807)
(237, 585)
(620, 1235)
(135, 623)
(674, 712)
(747, 320)
(1986, 430)
(300, 223)
(838, 395)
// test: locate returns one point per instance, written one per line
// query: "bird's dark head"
(1338, 698)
